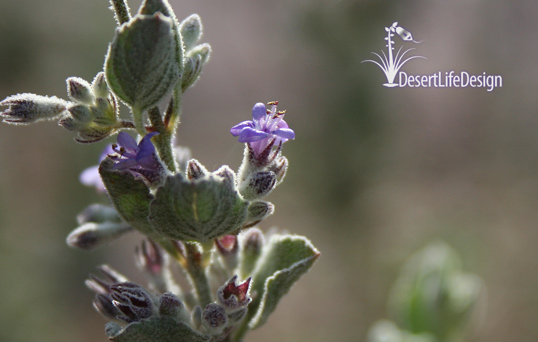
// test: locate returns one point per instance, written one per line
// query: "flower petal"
(127, 142)
(236, 130)
(258, 111)
(285, 133)
(249, 135)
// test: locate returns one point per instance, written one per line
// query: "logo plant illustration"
(204, 222)
(391, 64)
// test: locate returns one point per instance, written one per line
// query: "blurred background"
(375, 173)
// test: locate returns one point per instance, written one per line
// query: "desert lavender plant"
(200, 220)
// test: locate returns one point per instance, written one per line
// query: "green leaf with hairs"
(285, 259)
(141, 65)
(130, 196)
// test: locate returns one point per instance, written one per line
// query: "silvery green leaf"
(141, 65)
(191, 30)
(130, 196)
(285, 259)
(158, 329)
(199, 209)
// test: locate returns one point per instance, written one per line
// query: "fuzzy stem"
(196, 270)
(121, 11)
(163, 141)
(138, 121)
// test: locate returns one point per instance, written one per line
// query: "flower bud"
(214, 318)
(80, 90)
(98, 213)
(99, 86)
(28, 108)
(195, 170)
(258, 185)
(252, 242)
(134, 302)
(81, 113)
(191, 31)
(228, 248)
(171, 305)
(258, 211)
(233, 297)
(92, 235)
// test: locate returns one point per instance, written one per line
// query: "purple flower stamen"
(266, 127)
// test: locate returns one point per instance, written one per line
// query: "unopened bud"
(252, 242)
(228, 248)
(195, 169)
(171, 305)
(258, 185)
(133, 301)
(214, 318)
(79, 90)
(98, 213)
(92, 235)
(257, 211)
(28, 108)
(99, 86)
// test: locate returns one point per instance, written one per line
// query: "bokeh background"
(375, 174)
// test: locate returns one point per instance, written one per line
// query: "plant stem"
(173, 113)
(138, 121)
(163, 141)
(196, 270)
(121, 11)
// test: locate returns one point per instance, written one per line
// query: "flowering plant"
(200, 220)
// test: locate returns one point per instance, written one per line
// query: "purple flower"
(91, 176)
(266, 128)
(139, 159)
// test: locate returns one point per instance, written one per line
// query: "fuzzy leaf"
(130, 196)
(285, 260)
(159, 329)
(199, 209)
(141, 65)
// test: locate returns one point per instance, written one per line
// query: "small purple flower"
(91, 176)
(139, 159)
(266, 128)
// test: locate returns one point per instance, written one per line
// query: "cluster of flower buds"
(94, 114)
